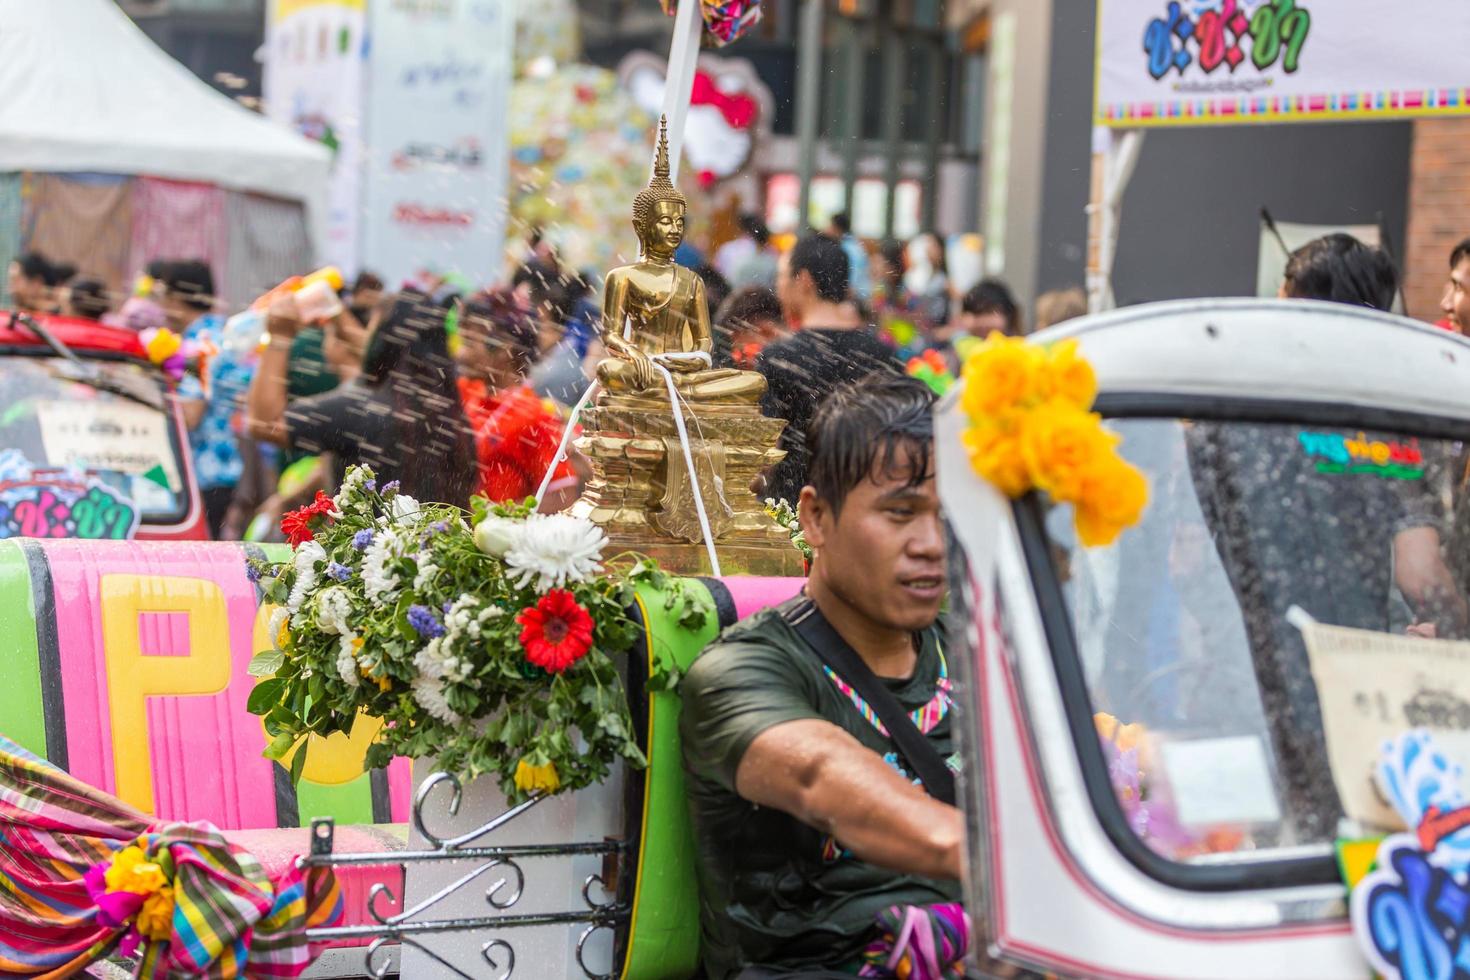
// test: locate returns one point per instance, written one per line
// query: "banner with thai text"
(438, 143)
(315, 51)
(1213, 62)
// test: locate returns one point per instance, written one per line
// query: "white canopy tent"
(86, 90)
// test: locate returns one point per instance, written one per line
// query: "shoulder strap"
(921, 755)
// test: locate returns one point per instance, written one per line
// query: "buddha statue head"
(658, 210)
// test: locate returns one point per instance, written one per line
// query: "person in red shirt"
(516, 433)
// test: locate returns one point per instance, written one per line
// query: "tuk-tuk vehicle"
(1168, 743)
(86, 419)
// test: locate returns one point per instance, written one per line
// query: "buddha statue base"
(641, 496)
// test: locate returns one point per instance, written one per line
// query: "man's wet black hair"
(878, 426)
(822, 257)
(1340, 269)
(842, 222)
(1462, 251)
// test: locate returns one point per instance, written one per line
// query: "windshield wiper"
(47, 337)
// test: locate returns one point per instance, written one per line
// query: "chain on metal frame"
(503, 893)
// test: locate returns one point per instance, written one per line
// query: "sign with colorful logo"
(1335, 453)
(39, 502)
(1201, 62)
(1411, 913)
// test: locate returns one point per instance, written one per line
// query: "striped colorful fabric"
(52, 829)
(919, 942)
(230, 919)
(924, 718)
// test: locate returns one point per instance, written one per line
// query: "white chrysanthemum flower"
(427, 571)
(278, 619)
(378, 580)
(497, 535)
(347, 660)
(403, 507)
(334, 610)
(352, 485)
(460, 619)
(429, 693)
(307, 556)
(555, 549)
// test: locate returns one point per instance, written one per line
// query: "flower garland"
(134, 893)
(1032, 428)
(725, 21)
(176, 356)
(193, 904)
(487, 643)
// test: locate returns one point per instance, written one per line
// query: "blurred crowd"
(456, 390)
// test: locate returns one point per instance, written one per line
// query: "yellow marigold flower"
(283, 636)
(156, 917)
(1069, 376)
(531, 778)
(1062, 446)
(1002, 375)
(995, 454)
(1125, 737)
(1113, 499)
(131, 871)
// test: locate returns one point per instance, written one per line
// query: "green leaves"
(265, 695)
(265, 663)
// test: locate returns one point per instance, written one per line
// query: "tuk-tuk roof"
(1276, 350)
(82, 336)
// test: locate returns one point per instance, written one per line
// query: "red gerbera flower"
(296, 525)
(556, 632)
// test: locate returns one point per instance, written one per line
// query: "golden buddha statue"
(674, 491)
(655, 314)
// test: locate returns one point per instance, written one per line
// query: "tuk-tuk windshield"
(1198, 636)
(109, 420)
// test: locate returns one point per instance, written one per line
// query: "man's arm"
(827, 779)
(1426, 582)
(265, 403)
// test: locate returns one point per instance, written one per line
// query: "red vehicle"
(92, 438)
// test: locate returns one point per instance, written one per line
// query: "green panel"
(663, 940)
(22, 717)
(347, 803)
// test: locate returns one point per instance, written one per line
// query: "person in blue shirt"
(859, 280)
(188, 299)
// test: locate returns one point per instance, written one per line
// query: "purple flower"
(252, 573)
(448, 606)
(362, 539)
(390, 489)
(339, 571)
(424, 622)
(371, 485)
(439, 527)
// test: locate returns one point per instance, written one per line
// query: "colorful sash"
(924, 718)
(919, 942)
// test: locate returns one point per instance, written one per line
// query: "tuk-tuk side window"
(1188, 631)
(109, 422)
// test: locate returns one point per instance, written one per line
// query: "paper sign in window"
(101, 436)
(1221, 781)
(1374, 686)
